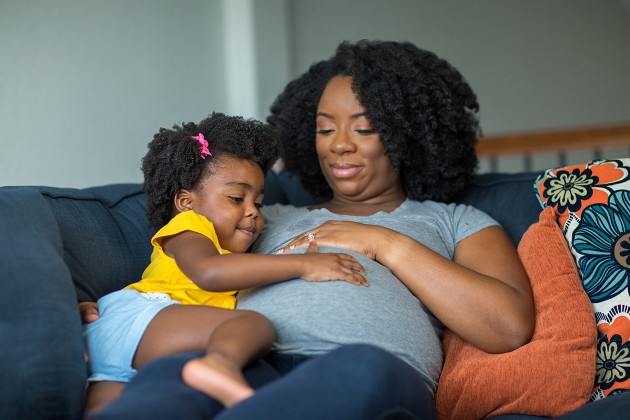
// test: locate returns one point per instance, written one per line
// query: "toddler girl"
(204, 185)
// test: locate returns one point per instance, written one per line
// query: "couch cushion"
(43, 370)
(507, 198)
(285, 188)
(105, 235)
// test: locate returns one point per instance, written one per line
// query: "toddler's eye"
(237, 200)
(259, 205)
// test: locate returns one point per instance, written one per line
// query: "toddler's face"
(231, 198)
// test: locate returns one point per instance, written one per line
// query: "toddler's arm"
(199, 259)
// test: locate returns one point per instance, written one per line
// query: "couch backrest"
(103, 236)
(102, 231)
(509, 198)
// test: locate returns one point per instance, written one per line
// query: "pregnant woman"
(384, 133)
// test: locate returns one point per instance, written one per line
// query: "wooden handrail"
(594, 137)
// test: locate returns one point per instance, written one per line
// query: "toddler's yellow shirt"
(163, 275)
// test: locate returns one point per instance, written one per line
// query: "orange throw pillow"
(555, 371)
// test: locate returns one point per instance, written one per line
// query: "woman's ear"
(183, 201)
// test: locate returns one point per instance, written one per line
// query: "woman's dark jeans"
(352, 382)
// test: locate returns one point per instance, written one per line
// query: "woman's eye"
(367, 132)
(324, 132)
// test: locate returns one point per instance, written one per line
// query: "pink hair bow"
(204, 146)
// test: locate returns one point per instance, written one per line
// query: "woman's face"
(350, 151)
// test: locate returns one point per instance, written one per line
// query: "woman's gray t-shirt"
(312, 318)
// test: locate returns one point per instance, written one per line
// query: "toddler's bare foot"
(218, 378)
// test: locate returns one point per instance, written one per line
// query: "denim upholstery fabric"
(41, 355)
(612, 407)
(106, 238)
(508, 198)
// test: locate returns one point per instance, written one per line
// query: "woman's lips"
(344, 171)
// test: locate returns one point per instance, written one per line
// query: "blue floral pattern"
(602, 241)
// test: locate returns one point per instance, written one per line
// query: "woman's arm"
(200, 261)
(483, 295)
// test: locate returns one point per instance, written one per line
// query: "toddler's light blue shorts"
(112, 340)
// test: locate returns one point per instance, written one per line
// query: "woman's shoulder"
(424, 206)
(438, 208)
(438, 205)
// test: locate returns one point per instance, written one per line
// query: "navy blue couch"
(61, 246)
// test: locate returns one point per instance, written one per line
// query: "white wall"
(274, 49)
(84, 84)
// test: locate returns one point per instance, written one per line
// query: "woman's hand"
(357, 237)
(483, 294)
(88, 312)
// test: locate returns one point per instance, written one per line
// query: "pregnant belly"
(315, 317)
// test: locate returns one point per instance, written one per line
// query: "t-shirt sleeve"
(468, 220)
(187, 221)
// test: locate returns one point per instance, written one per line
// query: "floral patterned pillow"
(592, 202)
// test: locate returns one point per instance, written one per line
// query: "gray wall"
(85, 83)
(533, 63)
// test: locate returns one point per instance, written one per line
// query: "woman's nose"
(342, 142)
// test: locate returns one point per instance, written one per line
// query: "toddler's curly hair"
(420, 105)
(174, 162)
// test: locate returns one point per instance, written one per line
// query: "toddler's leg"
(99, 394)
(236, 338)
(158, 392)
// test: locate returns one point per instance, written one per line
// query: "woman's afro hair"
(173, 161)
(421, 106)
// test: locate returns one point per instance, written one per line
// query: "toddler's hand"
(88, 312)
(332, 266)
